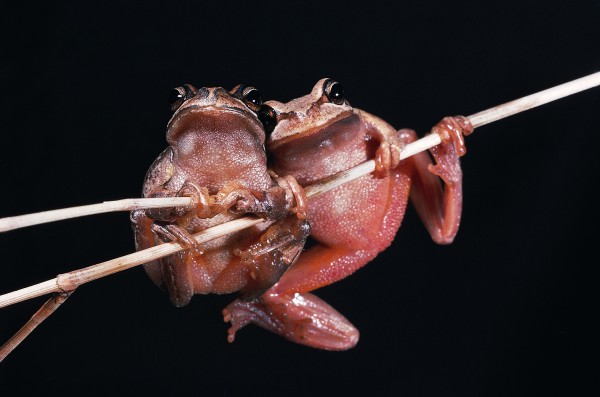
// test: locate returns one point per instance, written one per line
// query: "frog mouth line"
(300, 130)
(214, 109)
(246, 119)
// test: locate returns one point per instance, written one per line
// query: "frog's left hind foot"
(301, 317)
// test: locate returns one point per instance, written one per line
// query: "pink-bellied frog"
(319, 135)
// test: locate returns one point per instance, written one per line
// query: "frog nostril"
(203, 93)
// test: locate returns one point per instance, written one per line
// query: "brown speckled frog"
(216, 156)
(319, 135)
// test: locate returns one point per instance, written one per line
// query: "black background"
(505, 310)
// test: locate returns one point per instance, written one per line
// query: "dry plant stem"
(45, 311)
(69, 281)
(64, 284)
(16, 222)
(534, 100)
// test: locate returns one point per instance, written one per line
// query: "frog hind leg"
(361, 236)
(263, 263)
(302, 318)
(321, 265)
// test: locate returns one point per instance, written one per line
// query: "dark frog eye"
(179, 95)
(252, 98)
(267, 117)
(249, 95)
(334, 92)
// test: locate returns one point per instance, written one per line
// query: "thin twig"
(45, 311)
(19, 221)
(534, 100)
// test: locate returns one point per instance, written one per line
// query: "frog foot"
(202, 204)
(387, 156)
(201, 199)
(451, 131)
(237, 199)
(240, 313)
(176, 233)
(295, 193)
(301, 317)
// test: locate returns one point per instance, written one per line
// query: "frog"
(319, 135)
(216, 156)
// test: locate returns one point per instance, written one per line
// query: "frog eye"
(249, 95)
(179, 95)
(334, 92)
(252, 98)
(267, 117)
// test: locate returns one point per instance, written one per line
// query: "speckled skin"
(216, 155)
(314, 139)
